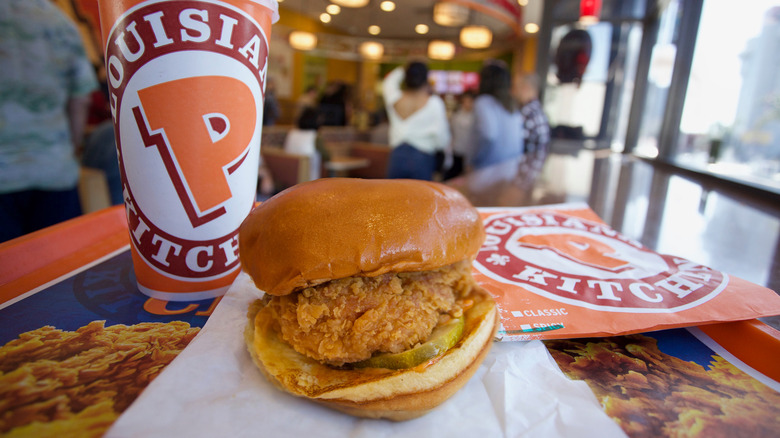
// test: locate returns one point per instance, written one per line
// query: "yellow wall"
(530, 46)
(337, 69)
(524, 59)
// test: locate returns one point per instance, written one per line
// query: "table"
(95, 247)
(340, 165)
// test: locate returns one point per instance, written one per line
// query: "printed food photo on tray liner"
(600, 302)
(75, 354)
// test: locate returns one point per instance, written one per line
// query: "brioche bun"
(374, 393)
(335, 228)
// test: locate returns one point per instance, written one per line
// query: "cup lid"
(273, 5)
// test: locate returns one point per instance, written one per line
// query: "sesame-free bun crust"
(374, 393)
(335, 228)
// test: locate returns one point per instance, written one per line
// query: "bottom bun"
(374, 392)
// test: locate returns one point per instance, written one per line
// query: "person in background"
(99, 148)
(304, 140)
(307, 100)
(335, 104)
(535, 124)
(271, 111)
(99, 109)
(498, 124)
(45, 85)
(463, 139)
(418, 125)
(100, 153)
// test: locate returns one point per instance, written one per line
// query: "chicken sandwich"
(370, 307)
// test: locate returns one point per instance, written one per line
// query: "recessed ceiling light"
(301, 40)
(374, 29)
(476, 37)
(522, 2)
(325, 17)
(333, 9)
(443, 50)
(351, 3)
(371, 49)
(387, 6)
(531, 28)
(422, 29)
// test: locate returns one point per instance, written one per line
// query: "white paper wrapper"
(214, 389)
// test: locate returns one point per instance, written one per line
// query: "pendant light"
(302, 40)
(476, 37)
(450, 14)
(351, 3)
(371, 49)
(441, 50)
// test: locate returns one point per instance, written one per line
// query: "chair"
(274, 135)
(378, 156)
(93, 190)
(286, 169)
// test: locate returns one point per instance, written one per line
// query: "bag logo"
(180, 155)
(588, 264)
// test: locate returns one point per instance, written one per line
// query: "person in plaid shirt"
(535, 124)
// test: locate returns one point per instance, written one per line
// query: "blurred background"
(691, 83)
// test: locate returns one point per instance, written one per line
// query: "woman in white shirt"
(305, 140)
(418, 123)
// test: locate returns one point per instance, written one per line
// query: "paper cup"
(186, 82)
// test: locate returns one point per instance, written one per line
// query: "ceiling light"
(476, 37)
(301, 40)
(325, 17)
(333, 9)
(442, 50)
(531, 28)
(522, 2)
(450, 14)
(351, 3)
(374, 29)
(387, 6)
(371, 49)
(422, 29)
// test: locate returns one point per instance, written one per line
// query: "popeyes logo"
(583, 263)
(186, 80)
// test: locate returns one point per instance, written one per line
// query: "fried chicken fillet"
(348, 320)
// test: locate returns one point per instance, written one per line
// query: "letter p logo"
(583, 249)
(201, 141)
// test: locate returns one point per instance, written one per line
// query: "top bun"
(335, 228)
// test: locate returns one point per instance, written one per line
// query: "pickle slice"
(442, 338)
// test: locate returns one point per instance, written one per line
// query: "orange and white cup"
(186, 82)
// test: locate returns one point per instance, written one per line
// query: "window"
(730, 123)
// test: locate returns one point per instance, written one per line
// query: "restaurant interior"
(665, 125)
(664, 122)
